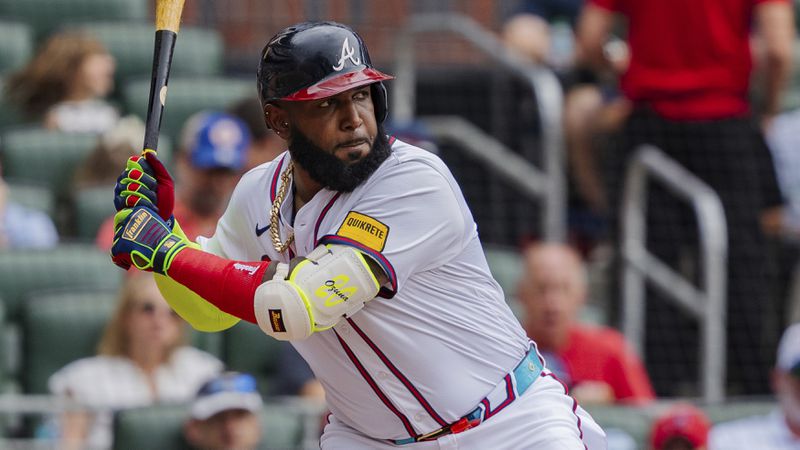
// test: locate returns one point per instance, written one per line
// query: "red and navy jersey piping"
(399, 375)
(371, 382)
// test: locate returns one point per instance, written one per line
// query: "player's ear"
(276, 119)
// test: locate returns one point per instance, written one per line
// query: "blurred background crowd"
(632, 165)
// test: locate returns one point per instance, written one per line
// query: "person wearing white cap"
(225, 414)
(779, 430)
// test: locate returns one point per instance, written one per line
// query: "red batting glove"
(165, 190)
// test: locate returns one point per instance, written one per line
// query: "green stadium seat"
(32, 196)
(635, 421)
(16, 45)
(245, 348)
(187, 96)
(160, 427)
(198, 51)
(506, 266)
(46, 16)
(791, 98)
(43, 157)
(155, 427)
(67, 267)
(737, 409)
(36, 159)
(10, 116)
(92, 206)
(58, 328)
(6, 379)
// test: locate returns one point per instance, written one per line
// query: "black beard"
(331, 172)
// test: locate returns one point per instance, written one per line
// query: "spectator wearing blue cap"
(225, 414)
(211, 158)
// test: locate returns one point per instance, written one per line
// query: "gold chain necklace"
(276, 210)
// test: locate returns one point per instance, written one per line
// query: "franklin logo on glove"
(137, 222)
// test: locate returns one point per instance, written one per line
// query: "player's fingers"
(138, 190)
(138, 176)
(131, 201)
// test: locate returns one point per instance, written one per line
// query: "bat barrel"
(162, 60)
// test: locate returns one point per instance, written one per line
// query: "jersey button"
(383, 375)
(419, 417)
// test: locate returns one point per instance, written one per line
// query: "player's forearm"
(228, 285)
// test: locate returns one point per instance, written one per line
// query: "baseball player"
(359, 249)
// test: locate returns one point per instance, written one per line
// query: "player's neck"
(305, 188)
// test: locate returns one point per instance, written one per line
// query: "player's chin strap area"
(333, 282)
(514, 384)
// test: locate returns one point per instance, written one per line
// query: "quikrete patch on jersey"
(365, 230)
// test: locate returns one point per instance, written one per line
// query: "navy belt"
(520, 379)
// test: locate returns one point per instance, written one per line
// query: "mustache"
(353, 142)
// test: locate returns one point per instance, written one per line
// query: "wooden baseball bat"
(168, 18)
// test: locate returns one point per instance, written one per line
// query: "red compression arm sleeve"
(229, 285)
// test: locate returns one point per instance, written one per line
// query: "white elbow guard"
(334, 281)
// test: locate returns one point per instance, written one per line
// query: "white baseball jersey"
(440, 336)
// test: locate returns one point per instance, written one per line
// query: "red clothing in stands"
(690, 59)
(594, 353)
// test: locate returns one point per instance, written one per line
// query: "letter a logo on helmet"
(347, 53)
(316, 60)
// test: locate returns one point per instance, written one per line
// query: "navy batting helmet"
(314, 60)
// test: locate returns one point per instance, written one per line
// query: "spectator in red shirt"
(688, 79)
(211, 159)
(593, 361)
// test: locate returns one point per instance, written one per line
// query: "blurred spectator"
(681, 427)
(294, 377)
(210, 161)
(142, 360)
(529, 30)
(112, 151)
(225, 414)
(594, 362)
(65, 84)
(542, 30)
(265, 145)
(689, 80)
(781, 428)
(22, 227)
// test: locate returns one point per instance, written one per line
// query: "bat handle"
(162, 60)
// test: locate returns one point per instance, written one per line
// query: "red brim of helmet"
(338, 84)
